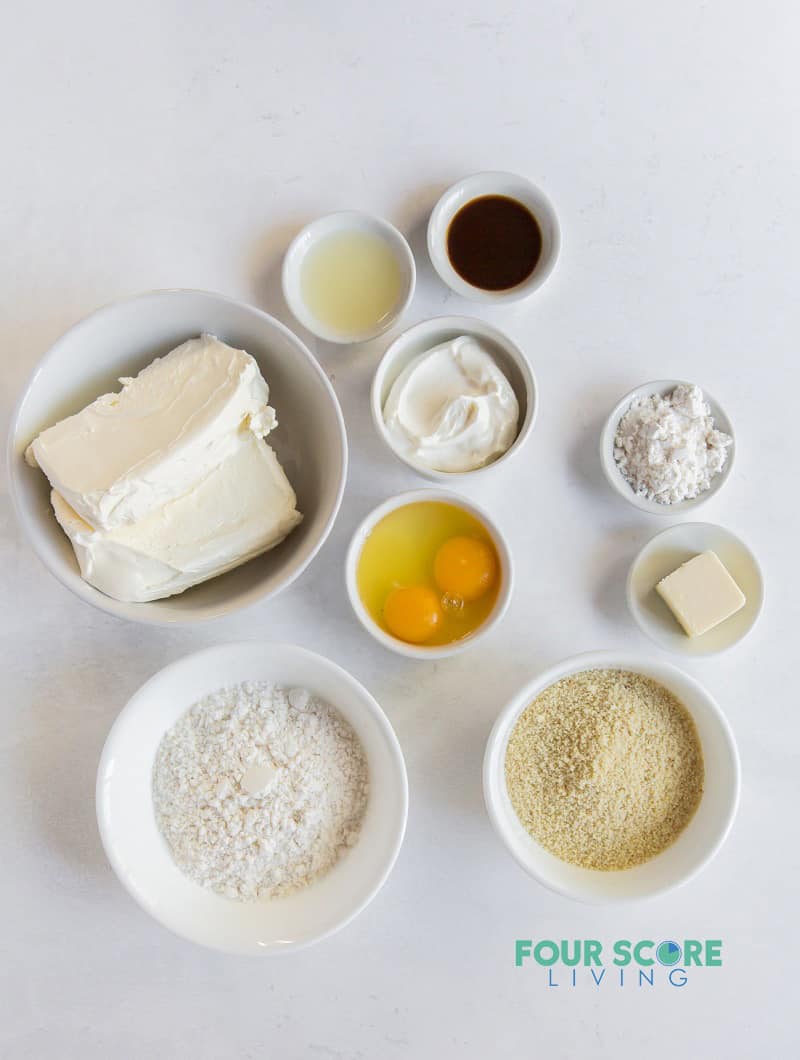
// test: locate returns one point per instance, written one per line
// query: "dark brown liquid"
(494, 242)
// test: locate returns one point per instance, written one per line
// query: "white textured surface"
(170, 143)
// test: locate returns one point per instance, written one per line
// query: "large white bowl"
(121, 339)
(425, 336)
(695, 846)
(617, 480)
(139, 855)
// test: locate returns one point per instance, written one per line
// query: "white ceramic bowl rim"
(435, 651)
(140, 703)
(321, 227)
(614, 476)
(493, 182)
(501, 730)
(144, 612)
(467, 326)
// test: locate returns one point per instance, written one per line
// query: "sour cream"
(451, 408)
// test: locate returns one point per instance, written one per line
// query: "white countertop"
(182, 144)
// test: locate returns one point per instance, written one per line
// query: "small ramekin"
(474, 187)
(429, 333)
(342, 221)
(434, 651)
(663, 554)
(617, 480)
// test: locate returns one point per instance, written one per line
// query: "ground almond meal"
(605, 769)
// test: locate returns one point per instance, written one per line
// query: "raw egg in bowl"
(428, 573)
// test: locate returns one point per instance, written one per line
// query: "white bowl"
(618, 481)
(474, 187)
(695, 846)
(121, 339)
(344, 221)
(667, 551)
(434, 651)
(429, 333)
(139, 854)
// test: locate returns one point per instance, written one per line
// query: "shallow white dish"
(140, 857)
(429, 333)
(691, 851)
(421, 651)
(620, 484)
(474, 187)
(345, 221)
(667, 551)
(122, 338)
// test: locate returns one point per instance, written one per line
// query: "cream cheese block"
(242, 507)
(129, 453)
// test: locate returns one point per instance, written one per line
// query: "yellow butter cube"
(701, 593)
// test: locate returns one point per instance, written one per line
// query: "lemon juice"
(351, 282)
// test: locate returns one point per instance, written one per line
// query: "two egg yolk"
(464, 568)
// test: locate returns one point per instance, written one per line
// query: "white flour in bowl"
(259, 789)
(668, 448)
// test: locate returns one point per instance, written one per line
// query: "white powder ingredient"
(668, 448)
(259, 790)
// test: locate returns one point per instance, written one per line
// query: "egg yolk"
(412, 613)
(465, 567)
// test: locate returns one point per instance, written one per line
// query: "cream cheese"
(129, 453)
(452, 409)
(241, 508)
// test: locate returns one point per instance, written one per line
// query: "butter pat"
(129, 453)
(701, 594)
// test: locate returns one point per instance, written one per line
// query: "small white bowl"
(434, 651)
(139, 854)
(429, 333)
(617, 480)
(695, 846)
(663, 554)
(120, 340)
(345, 221)
(474, 187)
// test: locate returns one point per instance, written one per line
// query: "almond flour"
(605, 769)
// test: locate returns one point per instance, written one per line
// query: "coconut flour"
(259, 790)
